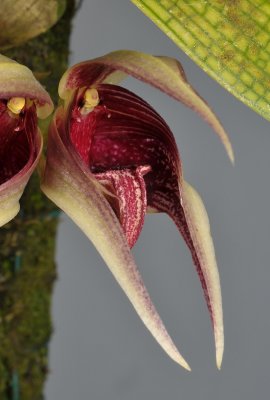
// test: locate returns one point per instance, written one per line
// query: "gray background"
(100, 349)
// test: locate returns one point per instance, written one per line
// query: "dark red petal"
(7, 125)
(130, 203)
(122, 131)
(17, 141)
(23, 151)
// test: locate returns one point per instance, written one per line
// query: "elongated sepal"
(199, 230)
(21, 20)
(163, 73)
(68, 182)
(12, 190)
(185, 207)
(16, 80)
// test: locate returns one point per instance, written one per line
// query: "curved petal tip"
(199, 229)
(219, 357)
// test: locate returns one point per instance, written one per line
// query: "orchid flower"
(111, 158)
(22, 100)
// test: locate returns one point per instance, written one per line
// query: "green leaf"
(228, 39)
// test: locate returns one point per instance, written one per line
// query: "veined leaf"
(228, 39)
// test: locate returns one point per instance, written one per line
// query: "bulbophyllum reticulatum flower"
(111, 158)
(22, 101)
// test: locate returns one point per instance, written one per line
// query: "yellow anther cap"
(91, 98)
(16, 104)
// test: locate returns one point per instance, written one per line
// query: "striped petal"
(163, 73)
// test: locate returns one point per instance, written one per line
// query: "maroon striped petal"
(119, 138)
(122, 131)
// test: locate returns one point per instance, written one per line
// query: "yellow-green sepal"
(16, 80)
